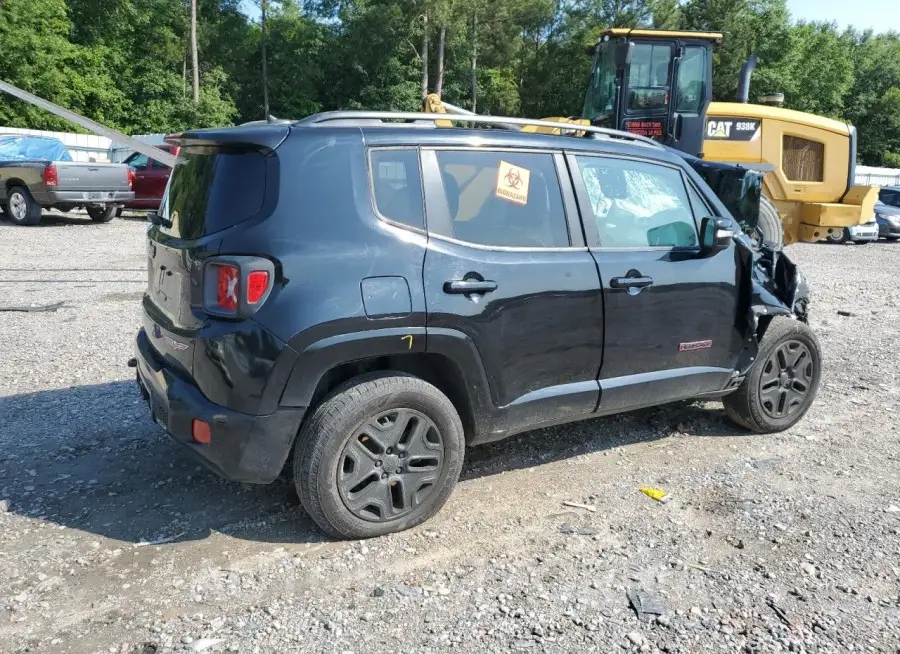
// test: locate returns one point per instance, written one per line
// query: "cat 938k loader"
(787, 175)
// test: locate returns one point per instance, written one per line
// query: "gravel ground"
(778, 543)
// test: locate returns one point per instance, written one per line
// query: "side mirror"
(624, 48)
(716, 235)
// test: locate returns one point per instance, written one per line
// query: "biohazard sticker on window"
(512, 183)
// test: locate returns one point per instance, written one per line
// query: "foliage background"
(126, 63)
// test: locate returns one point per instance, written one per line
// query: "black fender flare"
(322, 356)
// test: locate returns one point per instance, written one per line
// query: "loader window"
(601, 95)
(648, 76)
(691, 76)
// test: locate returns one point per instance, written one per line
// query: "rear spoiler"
(267, 135)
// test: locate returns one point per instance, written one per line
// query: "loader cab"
(655, 83)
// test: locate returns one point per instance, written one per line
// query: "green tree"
(873, 102)
(38, 57)
(760, 27)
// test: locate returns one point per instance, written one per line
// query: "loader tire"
(769, 226)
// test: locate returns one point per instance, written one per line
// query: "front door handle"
(630, 282)
(468, 286)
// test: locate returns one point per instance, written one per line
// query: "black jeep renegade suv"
(374, 296)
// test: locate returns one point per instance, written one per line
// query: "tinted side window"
(638, 204)
(398, 186)
(503, 198)
(890, 197)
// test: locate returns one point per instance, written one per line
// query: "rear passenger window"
(638, 203)
(503, 199)
(398, 186)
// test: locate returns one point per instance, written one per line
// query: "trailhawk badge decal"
(690, 346)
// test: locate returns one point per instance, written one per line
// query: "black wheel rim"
(390, 465)
(786, 379)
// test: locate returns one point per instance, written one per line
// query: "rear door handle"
(630, 282)
(467, 286)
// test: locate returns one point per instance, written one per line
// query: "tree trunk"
(475, 62)
(439, 84)
(195, 57)
(265, 65)
(424, 79)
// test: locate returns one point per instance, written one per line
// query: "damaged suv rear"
(371, 297)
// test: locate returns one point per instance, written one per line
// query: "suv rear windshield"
(212, 189)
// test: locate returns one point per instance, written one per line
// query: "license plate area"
(166, 286)
(93, 195)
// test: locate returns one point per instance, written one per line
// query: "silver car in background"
(864, 233)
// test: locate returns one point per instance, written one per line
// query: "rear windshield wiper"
(159, 220)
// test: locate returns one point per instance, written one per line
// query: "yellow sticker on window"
(512, 183)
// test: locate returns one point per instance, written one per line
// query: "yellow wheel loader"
(658, 83)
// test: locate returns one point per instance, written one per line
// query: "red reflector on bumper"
(201, 432)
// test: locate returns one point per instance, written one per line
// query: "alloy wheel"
(18, 206)
(390, 465)
(786, 378)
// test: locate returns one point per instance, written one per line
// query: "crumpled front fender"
(772, 285)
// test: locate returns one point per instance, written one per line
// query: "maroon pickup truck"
(150, 179)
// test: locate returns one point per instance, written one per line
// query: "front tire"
(21, 207)
(102, 214)
(783, 381)
(381, 454)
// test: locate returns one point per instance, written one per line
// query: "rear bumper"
(244, 447)
(85, 197)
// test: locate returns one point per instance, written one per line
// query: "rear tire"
(770, 228)
(381, 454)
(21, 207)
(783, 381)
(839, 237)
(102, 214)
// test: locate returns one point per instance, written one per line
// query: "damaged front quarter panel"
(771, 285)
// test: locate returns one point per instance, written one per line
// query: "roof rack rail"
(500, 121)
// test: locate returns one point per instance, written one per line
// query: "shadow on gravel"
(59, 219)
(89, 458)
(595, 435)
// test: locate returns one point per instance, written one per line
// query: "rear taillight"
(257, 285)
(227, 279)
(236, 286)
(131, 175)
(51, 176)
